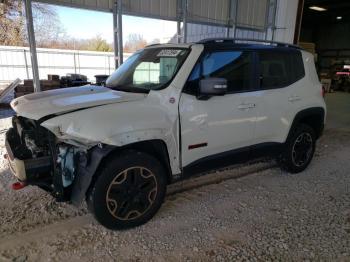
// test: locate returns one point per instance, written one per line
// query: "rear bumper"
(26, 170)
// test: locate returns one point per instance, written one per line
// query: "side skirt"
(229, 158)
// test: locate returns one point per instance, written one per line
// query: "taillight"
(323, 91)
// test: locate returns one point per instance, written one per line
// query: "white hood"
(59, 101)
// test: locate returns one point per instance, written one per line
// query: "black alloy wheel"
(299, 149)
(131, 193)
(128, 191)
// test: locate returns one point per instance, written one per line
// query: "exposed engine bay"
(39, 158)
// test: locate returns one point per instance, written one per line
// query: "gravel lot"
(255, 212)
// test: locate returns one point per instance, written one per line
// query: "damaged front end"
(37, 157)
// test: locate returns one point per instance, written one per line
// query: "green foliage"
(97, 44)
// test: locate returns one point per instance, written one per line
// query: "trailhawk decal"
(169, 53)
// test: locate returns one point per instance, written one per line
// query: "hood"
(60, 101)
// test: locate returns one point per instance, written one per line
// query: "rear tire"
(129, 190)
(299, 149)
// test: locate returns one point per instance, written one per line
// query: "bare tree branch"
(46, 24)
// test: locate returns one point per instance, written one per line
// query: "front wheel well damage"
(156, 148)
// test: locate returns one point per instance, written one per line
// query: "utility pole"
(118, 32)
(32, 45)
(184, 19)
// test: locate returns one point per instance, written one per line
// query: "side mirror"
(212, 87)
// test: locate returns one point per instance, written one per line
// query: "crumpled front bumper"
(26, 170)
(16, 165)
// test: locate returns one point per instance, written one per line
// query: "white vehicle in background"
(168, 112)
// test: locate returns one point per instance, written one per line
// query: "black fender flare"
(317, 112)
(87, 166)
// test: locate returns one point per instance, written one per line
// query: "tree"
(11, 23)
(13, 31)
(134, 43)
(97, 44)
(47, 25)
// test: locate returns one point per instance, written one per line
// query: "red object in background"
(18, 185)
(343, 73)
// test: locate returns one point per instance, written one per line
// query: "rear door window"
(280, 68)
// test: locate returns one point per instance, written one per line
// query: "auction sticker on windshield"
(169, 53)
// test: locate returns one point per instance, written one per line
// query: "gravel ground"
(266, 214)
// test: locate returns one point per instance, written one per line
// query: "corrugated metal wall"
(285, 20)
(249, 34)
(245, 13)
(246, 18)
(252, 14)
(279, 22)
(100, 5)
(166, 9)
(208, 11)
(197, 32)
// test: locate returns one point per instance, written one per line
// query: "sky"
(79, 23)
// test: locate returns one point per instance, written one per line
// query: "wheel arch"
(313, 117)
(155, 147)
(89, 169)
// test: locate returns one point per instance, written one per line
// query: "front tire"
(299, 149)
(128, 191)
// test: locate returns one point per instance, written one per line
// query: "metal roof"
(163, 9)
(245, 13)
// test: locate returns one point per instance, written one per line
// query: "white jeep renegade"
(168, 112)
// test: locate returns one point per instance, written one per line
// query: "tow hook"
(18, 185)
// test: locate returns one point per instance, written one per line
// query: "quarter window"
(280, 69)
(234, 66)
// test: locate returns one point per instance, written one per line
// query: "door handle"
(294, 98)
(246, 106)
(243, 107)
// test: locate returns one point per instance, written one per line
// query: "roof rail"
(245, 40)
(152, 45)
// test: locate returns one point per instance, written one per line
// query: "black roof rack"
(245, 41)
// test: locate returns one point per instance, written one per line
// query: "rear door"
(281, 74)
(218, 124)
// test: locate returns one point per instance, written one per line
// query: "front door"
(218, 125)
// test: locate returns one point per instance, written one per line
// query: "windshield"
(148, 69)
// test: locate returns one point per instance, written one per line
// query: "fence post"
(75, 64)
(26, 63)
(109, 64)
